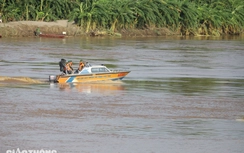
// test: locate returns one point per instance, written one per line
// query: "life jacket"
(62, 65)
(69, 66)
(81, 65)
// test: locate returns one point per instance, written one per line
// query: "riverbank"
(27, 28)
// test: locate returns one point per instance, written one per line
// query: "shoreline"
(27, 28)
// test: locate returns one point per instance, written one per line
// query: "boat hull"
(81, 78)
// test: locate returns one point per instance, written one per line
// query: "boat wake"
(18, 80)
(241, 119)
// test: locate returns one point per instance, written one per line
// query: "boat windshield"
(87, 64)
(102, 69)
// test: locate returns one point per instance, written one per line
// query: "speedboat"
(90, 73)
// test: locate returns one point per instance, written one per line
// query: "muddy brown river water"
(182, 95)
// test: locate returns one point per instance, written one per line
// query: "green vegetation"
(187, 17)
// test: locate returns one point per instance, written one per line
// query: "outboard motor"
(52, 79)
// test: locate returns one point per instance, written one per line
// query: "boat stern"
(53, 79)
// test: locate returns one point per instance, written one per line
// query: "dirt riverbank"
(27, 28)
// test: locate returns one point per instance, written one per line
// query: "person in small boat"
(37, 32)
(69, 67)
(62, 64)
(81, 66)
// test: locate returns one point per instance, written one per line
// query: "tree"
(120, 14)
(87, 13)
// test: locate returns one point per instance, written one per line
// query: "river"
(182, 95)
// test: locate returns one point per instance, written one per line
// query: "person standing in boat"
(69, 67)
(62, 67)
